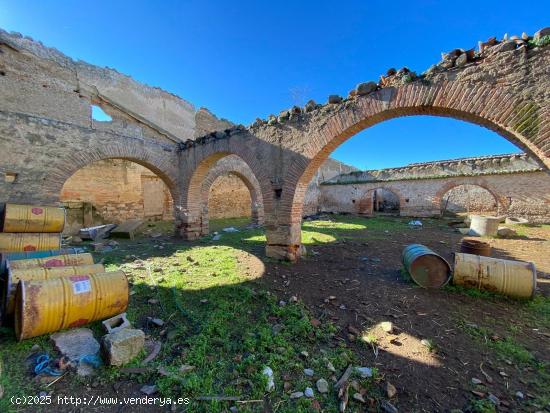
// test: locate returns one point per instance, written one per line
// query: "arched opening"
(380, 201)
(113, 191)
(468, 199)
(364, 112)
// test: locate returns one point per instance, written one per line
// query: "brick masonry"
(46, 127)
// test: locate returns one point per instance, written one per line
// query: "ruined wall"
(46, 122)
(520, 194)
(329, 169)
(469, 199)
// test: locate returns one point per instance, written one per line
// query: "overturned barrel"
(29, 242)
(425, 267)
(472, 246)
(43, 307)
(13, 256)
(30, 218)
(513, 278)
(37, 274)
(53, 261)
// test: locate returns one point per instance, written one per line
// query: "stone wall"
(229, 198)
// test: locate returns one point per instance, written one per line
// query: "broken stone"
(365, 88)
(309, 372)
(322, 386)
(386, 326)
(461, 60)
(506, 46)
(330, 366)
(156, 321)
(148, 389)
(504, 232)
(520, 395)
(387, 407)
(493, 399)
(297, 395)
(334, 99)
(391, 391)
(76, 343)
(541, 33)
(358, 397)
(122, 346)
(476, 381)
(308, 392)
(310, 106)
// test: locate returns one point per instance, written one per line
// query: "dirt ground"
(365, 279)
(448, 349)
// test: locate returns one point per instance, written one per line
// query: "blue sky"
(248, 59)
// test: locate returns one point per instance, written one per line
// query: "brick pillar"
(257, 214)
(187, 226)
(283, 241)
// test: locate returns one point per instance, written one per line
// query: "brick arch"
(366, 206)
(233, 165)
(195, 164)
(521, 121)
(151, 156)
(501, 201)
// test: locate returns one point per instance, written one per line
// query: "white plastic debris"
(415, 224)
(230, 229)
(270, 386)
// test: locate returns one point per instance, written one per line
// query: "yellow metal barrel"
(50, 262)
(513, 278)
(29, 242)
(38, 274)
(46, 306)
(30, 218)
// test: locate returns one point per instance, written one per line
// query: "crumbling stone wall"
(229, 198)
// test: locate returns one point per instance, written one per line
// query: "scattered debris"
(156, 321)
(415, 224)
(322, 386)
(230, 229)
(270, 386)
(80, 347)
(127, 229)
(364, 372)
(308, 392)
(309, 372)
(97, 232)
(504, 232)
(387, 407)
(149, 389)
(297, 395)
(358, 397)
(154, 352)
(387, 326)
(122, 346)
(116, 323)
(344, 378)
(476, 381)
(391, 391)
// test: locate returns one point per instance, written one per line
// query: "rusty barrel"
(13, 256)
(54, 261)
(30, 218)
(37, 274)
(472, 246)
(29, 242)
(513, 278)
(46, 306)
(426, 268)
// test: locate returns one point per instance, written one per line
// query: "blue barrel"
(33, 254)
(425, 267)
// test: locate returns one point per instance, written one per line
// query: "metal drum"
(43, 307)
(31, 274)
(12, 256)
(29, 242)
(50, 262)
(29, 218)
(513, 278)
(472, 246)
(426, 268)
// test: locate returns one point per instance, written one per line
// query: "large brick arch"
(234, 165)
(501, 201)
(494, 108)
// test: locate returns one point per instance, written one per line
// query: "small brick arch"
(366, 206)
(234, 165)
(195, 165)
(501, 201)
